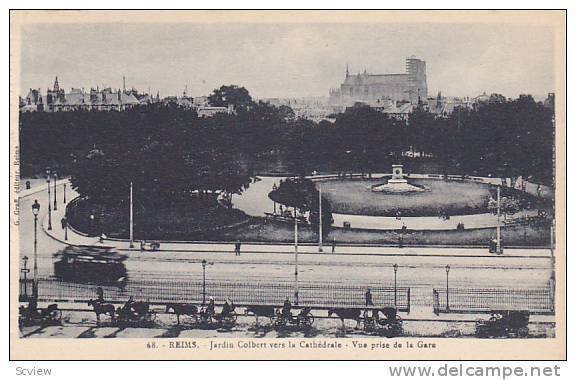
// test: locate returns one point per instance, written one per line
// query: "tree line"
(169, 152)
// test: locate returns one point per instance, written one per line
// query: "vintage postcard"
(287, 185)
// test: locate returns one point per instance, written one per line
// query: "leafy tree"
(302, 194)
(233, 95)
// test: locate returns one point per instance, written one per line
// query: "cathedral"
(376, 89)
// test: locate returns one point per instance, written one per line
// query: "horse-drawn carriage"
(504, 323)
(226, 318)
(34, 316)
(370, 320)
(204, 316)
(133, 313)
(303, 320)
(389, 325)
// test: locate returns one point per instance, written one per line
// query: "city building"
(315, 108)
(200, 104)
(57, 100)
(410, 86)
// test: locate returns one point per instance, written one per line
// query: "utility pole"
(131, 218)
(35, 211)
(55, 201)
(320, 218)
(49, 203)
(395, 266)
(295, 257)
(447, 288)
(552, 283)
(498, 243)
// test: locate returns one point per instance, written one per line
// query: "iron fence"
(473, 300)
(321, 295)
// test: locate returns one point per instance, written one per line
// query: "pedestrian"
(237, 247)
(333, 245)
(100, 294)
(368, 298)
(64, 222)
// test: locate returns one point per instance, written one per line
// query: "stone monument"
(397, 183)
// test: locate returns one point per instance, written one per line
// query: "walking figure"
(368, 298)
(333, 245)
(237, 247)
(100, 294)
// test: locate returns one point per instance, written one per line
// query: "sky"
(285, 60)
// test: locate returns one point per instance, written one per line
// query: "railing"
(322, 295)
(477, 300)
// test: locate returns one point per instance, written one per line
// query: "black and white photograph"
(340, 183)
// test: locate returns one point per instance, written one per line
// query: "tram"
(90, 264)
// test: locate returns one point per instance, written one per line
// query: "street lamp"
(320, 218)
(24, 271)
(447, 288)
(49, 201)
(35, 211)
(296, 289)
(55, 202)
(204, 263)
(395, 266)
(92, 227)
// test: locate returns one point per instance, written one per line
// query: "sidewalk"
(36, 189)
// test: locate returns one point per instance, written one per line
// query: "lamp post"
(49, 201)
(35, 211)
(131, 218)
(395, 266)
(498, 243)
(320, 218)
(92, 227)
(295, 257)
(204, 263)
(24, 271)
(55, 202)
(447, 288)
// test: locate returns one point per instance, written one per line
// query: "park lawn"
(261, 230)
(218, 223)
(354, 197)
(184, 221)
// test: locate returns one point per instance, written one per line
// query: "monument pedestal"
(397, 184)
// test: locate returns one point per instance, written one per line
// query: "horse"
(261, 311)
(346, 313)
(102, 308)
(182, 309)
